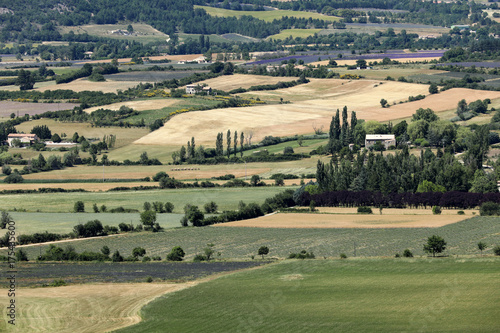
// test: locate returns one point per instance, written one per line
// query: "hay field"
(242, 80)
(84, 308)
(84, 84)
(142, 32)
(350, 62)
(441, 102)
(314, 105)
(396, 211)
(148, 104)
(94, 187)
(304, 220)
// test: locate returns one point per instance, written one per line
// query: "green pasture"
(184, 103)
(213, 38)
(385, 295)
(144, 33)
(294, 33)
(29, 223)
(368, 29)
(226, 199)
(267, 16)
(307, 146)
(241, 243)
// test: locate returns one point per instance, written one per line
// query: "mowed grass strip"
(268, 15)
(388, 295)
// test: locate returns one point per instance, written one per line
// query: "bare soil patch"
(302, 220)
(8, 107)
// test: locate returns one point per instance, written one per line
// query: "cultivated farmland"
(337, 296)
(21, 109)
(268, 15)
(290, 220)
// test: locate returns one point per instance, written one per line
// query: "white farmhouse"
(386, 139)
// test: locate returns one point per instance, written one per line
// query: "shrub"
(461, 212)
(13, 178)
(302, 255)
(407, 253)
(364, 210)
(117, 257)
(79, 207)
(176, 254)
(496, 250)
(489, 209)
(199, 257)
(343, 256)
(436, 210)
(397, 255)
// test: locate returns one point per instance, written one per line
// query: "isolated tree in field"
(79, 207)
(148, 218)
(176, 254)
(194, 215)
(138, 252)
(209, 251)
(481, 246)
(147, 206)
(21, 255)
(263, 250)
(255, 180)
(25, 80)
(433, 89)
(435, 244)
(383, 102)
(169, 207)
(56, 138)
(6, 170)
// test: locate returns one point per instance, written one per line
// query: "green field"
(268, 15)
(241, 243)
(226, 198)
(368, 295)
(142, 32)
(184, 103)
(303, 33)
(29, 223)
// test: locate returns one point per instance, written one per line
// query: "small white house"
(386, 139)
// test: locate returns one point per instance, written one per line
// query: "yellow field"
(353, 62)
(150, 104)
(84, 84)
(83, 308)
(228, 83)
(303, 220)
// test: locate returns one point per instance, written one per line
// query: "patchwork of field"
(304, 220)
(268, 15)
(242, 243)
(314, 105)
(384, 295)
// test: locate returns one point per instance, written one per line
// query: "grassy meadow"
(384, 295)
(226, 199)
(143, 33)
(268, 15)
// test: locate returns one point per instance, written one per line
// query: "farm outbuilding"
(386, 139)
(23, 138)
